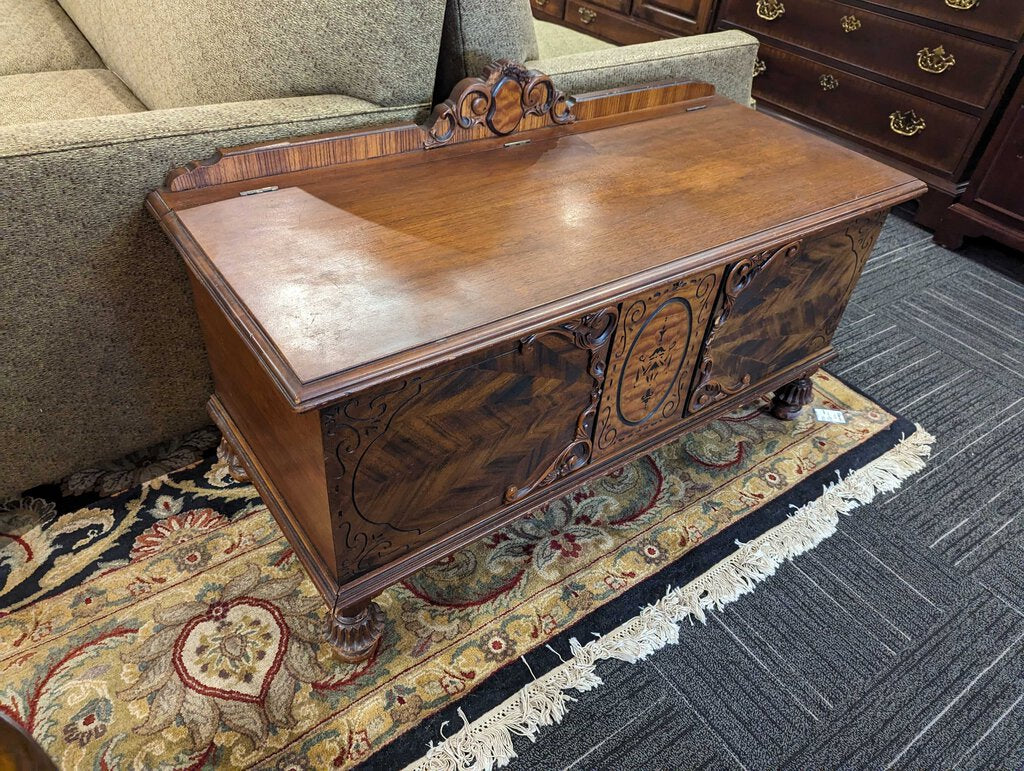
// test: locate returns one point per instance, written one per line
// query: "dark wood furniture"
(913, 82)
(628, 21)
(418, 334)
(993, 205)
(18, 750)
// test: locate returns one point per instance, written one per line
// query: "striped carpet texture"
(898, 642)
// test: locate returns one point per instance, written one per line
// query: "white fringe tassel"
(486, 743)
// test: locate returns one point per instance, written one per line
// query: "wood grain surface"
(354, 266)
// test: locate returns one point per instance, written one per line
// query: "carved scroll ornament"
(499, 101)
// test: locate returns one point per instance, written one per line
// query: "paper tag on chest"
(829, 416)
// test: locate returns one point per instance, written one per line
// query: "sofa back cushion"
(37, 36)
(476, 32)
(175, 53)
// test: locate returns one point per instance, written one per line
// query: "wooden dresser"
(914, 82)
(628, 21)
(993, 205)
(420, 333)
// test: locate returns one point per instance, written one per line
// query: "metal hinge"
(259, 190)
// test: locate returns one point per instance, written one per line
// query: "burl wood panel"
(653, 355)
(780, 306)
(428, 453)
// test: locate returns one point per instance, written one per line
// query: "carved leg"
(791, 398)
(227, 454)
(355, 631)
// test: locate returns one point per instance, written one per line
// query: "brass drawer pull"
(540, 3)
(587, 15)
(759, 67)
(828, 82)
(906, 123)
(770, 10)
(963, 5)
(850, 23)
(936, 60)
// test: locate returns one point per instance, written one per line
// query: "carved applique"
(500, 102)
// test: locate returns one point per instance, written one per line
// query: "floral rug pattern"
(171, 626)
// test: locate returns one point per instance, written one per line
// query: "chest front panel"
(413, 460)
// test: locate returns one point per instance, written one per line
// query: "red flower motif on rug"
(235, 660)
(174, 531)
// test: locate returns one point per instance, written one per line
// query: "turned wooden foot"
(791, 399)
(355, 631)
(235, 468)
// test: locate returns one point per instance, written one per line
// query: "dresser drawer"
(609, 25)
(619, 6)
(675, 15)
(998, 18)
(941, 62)
(916, 129)
(554, 8)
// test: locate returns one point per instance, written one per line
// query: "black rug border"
(511, 678)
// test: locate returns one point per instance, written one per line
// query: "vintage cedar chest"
(420, 333)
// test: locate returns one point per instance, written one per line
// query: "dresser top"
(345, 274)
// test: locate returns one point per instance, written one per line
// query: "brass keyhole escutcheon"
(850, 23)
(769, 10)
(587, 15)
(759, 67)
(963, 5)
(906, 123)
(935, 60)
(828, 82)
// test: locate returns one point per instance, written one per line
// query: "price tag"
(829, 416)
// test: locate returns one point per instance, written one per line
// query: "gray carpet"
(898, 642)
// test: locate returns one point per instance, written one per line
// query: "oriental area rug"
(167, 624)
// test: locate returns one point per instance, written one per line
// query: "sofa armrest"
(101, 350)
(724, 59)
(202, 128)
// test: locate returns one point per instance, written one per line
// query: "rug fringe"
(486, 743)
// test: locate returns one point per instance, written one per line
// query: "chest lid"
(374, 253)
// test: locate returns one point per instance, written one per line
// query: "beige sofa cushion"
(49, 96)
(476, 32)
(100, 351)
(193, 52)
(724, 59)
(37, 36)
(556, 40)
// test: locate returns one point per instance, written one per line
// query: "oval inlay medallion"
(653, 362)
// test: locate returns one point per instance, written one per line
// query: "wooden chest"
(418, 334)
(916, 82)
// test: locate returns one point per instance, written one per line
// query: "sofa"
(101, 354)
